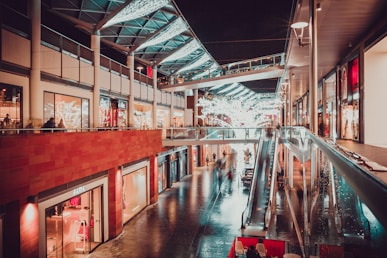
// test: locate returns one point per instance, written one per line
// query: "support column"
(35, 91)
(196, 107)
(313, 79)
(96, 47)
(290, 170)
(171, 122)
(154, 109)
(130, 64)
(185, 108)
(324, 106)
(361, 93)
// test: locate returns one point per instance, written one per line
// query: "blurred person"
(61, 125)
(50, 123)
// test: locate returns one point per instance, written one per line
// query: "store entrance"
(74, 226)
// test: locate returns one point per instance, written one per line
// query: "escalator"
(253, 218)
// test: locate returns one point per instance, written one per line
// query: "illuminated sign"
(79, 190)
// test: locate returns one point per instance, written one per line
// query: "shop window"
(134, 193)
(10, 106)
(74, 111)
(74, 226)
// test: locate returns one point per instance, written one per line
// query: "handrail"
(367, 186)
(253, 64)
(16, 131)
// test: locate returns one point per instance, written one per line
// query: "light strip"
(237, 90)
(219, 86)
(232, 86)
(175, 28)
(136, 9)
(206, 72)
(242, 93)
(182, 52)
(203, 59)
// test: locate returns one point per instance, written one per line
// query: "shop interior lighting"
(175, 28)
(198, 62)
(183, 51)
(136, 9)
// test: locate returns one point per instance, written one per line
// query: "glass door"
(75, 225)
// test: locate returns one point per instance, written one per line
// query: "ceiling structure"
(157, 33)
(154, 31)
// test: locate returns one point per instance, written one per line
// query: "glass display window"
(73, 111)
(74, 225)
(134, 193)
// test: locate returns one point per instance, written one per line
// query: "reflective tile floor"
(194, 218)
(191, 219)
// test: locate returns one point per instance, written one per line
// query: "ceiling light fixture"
(298, 29)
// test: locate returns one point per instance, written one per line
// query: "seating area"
(265, 247)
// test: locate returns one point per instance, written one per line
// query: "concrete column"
(361, 93)
(196, 107)
(154, 112)
(185, 107)
(35, 90)
(96, 47)
(290, 170)
(313, 79)
(324, 105)
(172, 124)
(290, 100)
(130, 64)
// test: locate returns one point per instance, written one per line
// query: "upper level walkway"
(266, 67)
(184, 136)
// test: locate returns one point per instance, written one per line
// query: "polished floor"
(198, 217)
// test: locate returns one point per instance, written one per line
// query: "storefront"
(350, 100)
(135, 190)
(74, 111)
(172, 166)
(73, 221)
(10, 99)
(142, 115)
(112, 112)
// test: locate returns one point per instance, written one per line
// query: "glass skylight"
(200, 61)
(175, 28)
(136, 9)
(183, 51)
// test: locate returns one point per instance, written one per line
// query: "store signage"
(79, 190)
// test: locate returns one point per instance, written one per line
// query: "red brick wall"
(30, 164)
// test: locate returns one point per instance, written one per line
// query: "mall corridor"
(197, 218)
(191, 219)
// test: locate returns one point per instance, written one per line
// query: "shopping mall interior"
(123, 125)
